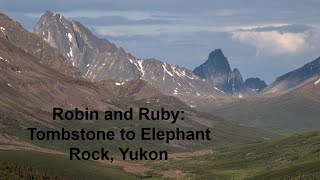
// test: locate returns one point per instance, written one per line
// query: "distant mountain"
(99, 59)
(294, 79)
(217, 71)
(255, 84)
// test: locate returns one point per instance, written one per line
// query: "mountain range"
(98, 59)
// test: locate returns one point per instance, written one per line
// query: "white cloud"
(252, 26)
(274, 42)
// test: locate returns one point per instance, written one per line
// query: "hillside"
(294, 79)
(295, 157)
(295, 111)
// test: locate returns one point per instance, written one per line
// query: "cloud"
(277, 39)
(293, 28)
(274, 42)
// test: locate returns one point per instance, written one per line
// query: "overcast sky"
(261, 38)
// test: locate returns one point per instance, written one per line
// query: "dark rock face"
(216, 65)
(218, 72)
(294, 79)
(255, 84)
(216, 69)
(99, 59)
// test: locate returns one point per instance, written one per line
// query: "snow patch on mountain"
(191, 84)
(179, 72)
(139, 66)
(317, 82)
(69, 37)
(69, 54)
(165, 70)
(120, 83)
(219, 90)
(3, 29)
(182, 73)
(176, 91)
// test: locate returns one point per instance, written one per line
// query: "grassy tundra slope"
(295, 157)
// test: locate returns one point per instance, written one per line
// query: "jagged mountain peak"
(219, 61)
(51, 15)
(216, 69)
(217, 54)
(216, 64)
(48, 13)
